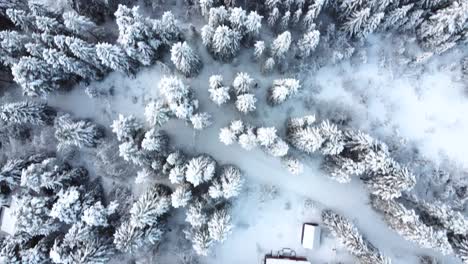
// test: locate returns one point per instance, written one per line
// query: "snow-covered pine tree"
(157, 113)
(282, 89)
(445, 216)
(391, 185)
(201, 121)
(69, 65)
(227, 136)
(228, 184)
(98, 215)
(80, 25)
(130, 151)
(36, 77)
(268, 65)
(79, 134)
(181, 196)
(259, 49)
(281, 45)
(307, 139)
(196, 215)
(350, 237)
(356, 21)
(154, 203)
(155, 140)
(12, 46)
(406, 223)
(242, 83)
(115, 58)
(248, 139)
(245, 103)
(220, 226)
(200, 169)
(85, 51)
(252, 24)
(27, 112)
(129, 238)
(48, 25)
(308, 43)
(218, 16)
(68, 206)
(50, 174)
(225, 43)
(237, 18)
(126, 127)
(21, 19)
(202, 242)
(185, 59)
(32, 216)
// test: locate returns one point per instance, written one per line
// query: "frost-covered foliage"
(351, 153)
(27, 112)
(79, 134)
(126, 127)
(180, 100)
(349, 236)
(408, 224)
(227, 28)
(154, 203)
(228, 184)
(282, 89)
(185, 59)
(200, 169)
(250, 137)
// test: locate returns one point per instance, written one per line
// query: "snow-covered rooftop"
(285, 261)
(7, 220)
(310, 236)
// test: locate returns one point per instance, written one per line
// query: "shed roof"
(285, 261)
(310, 236)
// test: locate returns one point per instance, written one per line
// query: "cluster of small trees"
(250, 137)
(351, 153)
(200, 186)
(437, 25)
(227, 29)
(241, 89)
(282, 89)
(60, 216)
(349, 236)
(52, 49)
(177, 101)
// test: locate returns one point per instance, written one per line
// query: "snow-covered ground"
(273, 224)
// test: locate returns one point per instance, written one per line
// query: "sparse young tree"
(202, 242)
(195, 215)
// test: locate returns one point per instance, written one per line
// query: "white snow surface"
(430, 111)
